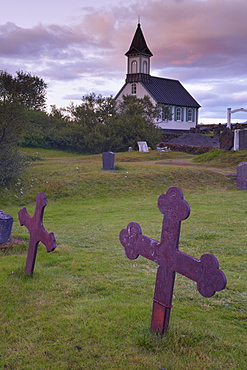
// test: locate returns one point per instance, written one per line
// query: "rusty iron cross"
(205, 272)
(36, 230)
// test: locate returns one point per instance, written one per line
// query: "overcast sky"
(78, 47)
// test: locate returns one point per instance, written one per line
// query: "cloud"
(202, 43)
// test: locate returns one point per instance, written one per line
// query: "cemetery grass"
(87, 305)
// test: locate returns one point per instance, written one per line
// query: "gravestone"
(6, 222)
(143, 147)
(108, 161)
(242, 176)
(226, 139)
(37, 231)
(240, 139)
(205, 272)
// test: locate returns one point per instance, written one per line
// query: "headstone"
(6, 222)
(205, 271)
(240, 139)
(242, 176)
(37, 231)
(130, 149)
(226, 139)
(216, 131)
(143, 147)
(108, 161)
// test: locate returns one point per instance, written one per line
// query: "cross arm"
(48, 239)
(23, 216)
(136, 244)
(205, 272)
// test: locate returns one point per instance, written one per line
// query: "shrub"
(12, 164)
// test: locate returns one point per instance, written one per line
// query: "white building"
(170, 93)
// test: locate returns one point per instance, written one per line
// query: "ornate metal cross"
(205, 272)
(36, 230)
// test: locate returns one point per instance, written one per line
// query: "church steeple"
(138, 45)
(138, 68)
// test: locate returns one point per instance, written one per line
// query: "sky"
(77, 47)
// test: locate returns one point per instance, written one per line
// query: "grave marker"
(242, 176)
(205, 272)
(108, 161)
(6, 222)
(143, 147)
(36, 230)
(240, 139)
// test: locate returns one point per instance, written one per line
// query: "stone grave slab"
(242, 176)
(240, 139)
(6, 222)
(143, 147)
(108, 161)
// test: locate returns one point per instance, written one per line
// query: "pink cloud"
(195, 41)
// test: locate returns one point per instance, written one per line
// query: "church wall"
(168, 125)
(176, 125)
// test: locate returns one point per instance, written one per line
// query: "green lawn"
(87, 306)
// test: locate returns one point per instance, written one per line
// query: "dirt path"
(175, 162)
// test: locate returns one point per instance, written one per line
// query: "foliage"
(29, 91)
(18, 96)
(98, 124)
(166, 114)
(12, 163)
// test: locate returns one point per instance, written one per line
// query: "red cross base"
(205, 272)
(36, 230)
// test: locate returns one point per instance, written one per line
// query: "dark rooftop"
(169, 92)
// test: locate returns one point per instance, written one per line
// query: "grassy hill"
(87, 305)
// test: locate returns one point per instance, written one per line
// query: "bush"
(11, 165)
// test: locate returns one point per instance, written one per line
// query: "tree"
(94, 109)
(131, 105)
(18, 95)
(98, 124)
(165, 112)
(29, 91)
(136, 121)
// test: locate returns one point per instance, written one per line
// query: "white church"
(170, 93)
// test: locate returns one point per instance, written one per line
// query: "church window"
(133, 89)
(145, 67)
(178, 114)
(134, 66)
(190, 115)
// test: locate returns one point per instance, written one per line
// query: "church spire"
(138, 68)
(138, 45)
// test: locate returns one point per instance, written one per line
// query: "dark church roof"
(138, 45)
(164, 91)
(169, 92)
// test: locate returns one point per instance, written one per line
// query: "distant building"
(170, 93)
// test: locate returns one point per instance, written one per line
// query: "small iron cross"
(205, 272)
(36, 230)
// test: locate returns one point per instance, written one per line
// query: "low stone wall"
(190, 149)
